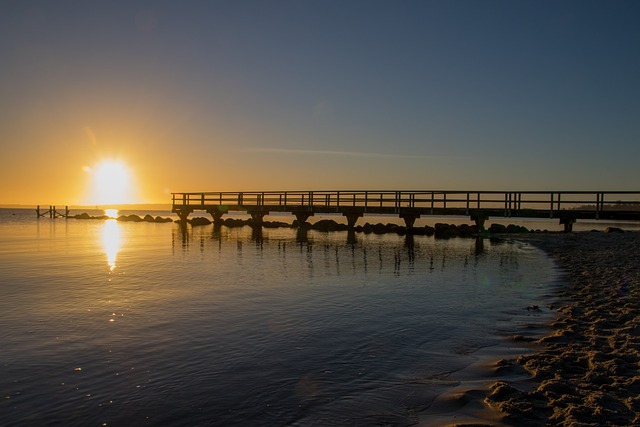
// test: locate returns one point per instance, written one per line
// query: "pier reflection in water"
(403, 254)
(342, 331)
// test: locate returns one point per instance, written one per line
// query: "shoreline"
(585, 371)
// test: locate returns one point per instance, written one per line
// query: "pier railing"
(532, 204)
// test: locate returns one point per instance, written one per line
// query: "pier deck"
(566, 206)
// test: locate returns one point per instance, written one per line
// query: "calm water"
(107, 323)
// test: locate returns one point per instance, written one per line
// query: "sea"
(108, 323)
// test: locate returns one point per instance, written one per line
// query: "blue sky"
(275, 95)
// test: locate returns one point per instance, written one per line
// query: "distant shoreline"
(125, 207)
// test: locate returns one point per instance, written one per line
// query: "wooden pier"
(566, 206)
(52, 212)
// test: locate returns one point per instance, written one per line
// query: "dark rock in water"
(132, 218)
(379, 228)
(613, 230)
(512, 228)
(446, 231)
(275, 224)
(325, 225)
(85, 215)
(466, 230)
(417, 231)
(429, 230)
(234, 222)
(393, 228)
(148, 218)
(160, 219)
(497, 228)
(329, 225)
(199, 221)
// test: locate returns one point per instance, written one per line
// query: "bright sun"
(111, 184)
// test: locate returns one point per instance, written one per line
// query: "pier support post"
(216, 213)
(352, 218)
(479, 219)
(302, 218)
(409, 219)
(257, 217)
(183, 214)
(568, 224)
(301, 235)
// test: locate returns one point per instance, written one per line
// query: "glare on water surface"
(111, 240)
(111, 213)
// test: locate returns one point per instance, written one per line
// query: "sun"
(111, 183)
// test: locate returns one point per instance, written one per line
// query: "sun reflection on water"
(111, 213)
(111, 241)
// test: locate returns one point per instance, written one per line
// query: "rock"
(233, 222)
(512, 228)
(497, 228)
(199, 221)
(275, 224)
(466, 230)
(613, 230)
(379, 228)
(129, 218)
(417, 231)
(85, 215)
(148, 218)
(325, 225)
(446, 231)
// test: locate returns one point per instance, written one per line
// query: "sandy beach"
(585, 370)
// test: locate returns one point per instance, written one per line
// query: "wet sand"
(585, 370)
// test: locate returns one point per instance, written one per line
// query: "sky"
(129, 101)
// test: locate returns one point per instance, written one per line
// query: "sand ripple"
(587, 372)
